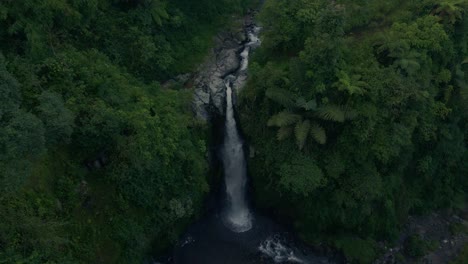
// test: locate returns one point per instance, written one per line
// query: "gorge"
(233, 232)
(143, 131)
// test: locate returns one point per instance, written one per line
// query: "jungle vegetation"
(98, 162)
(356, 111)
(357, 114)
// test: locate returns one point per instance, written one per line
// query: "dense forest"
(357, 114)
(98, 162)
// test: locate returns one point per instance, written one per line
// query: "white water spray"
(237, 213)
(280, 253)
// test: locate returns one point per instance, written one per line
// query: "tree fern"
(331, 113)
(450, 10)
(349, 113)
(318, 133)
(280, 96)
(464, 93)
(158, 11)
(350, 84)
(284, 133)
(284, 118)
(301, 131)
(302, 103)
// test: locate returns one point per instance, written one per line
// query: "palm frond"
(301, 131)
(280, 96)
(331, 113)
(307, 105)
(411, 66)
(318, 133)
(350, 84)
(284, 118)
(350, 114)
(464, 92)
(284, 133)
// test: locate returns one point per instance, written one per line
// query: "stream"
(233, 232)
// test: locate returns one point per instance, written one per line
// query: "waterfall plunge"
(236, 213)
(211, 241)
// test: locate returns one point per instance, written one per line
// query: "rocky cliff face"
(223, 60)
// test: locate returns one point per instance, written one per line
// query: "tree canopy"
(98, 162)
(379, 86)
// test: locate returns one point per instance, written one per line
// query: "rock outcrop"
(224, 59)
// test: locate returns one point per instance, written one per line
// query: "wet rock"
(224, 59)
(183, 78)
(228, 61)
(240, 37)
(97, 164)
(83, 188)
(168, 84)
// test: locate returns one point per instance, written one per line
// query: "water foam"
(276, 250)
(237, 213)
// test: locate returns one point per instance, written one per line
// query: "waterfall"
(256, 239)
(236, 213)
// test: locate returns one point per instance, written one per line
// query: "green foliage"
(357, 250)
(284, 118)
(281, 96)
(98, 163)
(301, 131)
(463, 256)
(450, 11)
(331, 113)
(301, 176)
(58, 120)
(9, 87)
(318, 133)
(417, 247)
(382, 87)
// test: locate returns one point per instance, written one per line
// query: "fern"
(284, 118)
(280, 96)
(158, 12)
(464, 97)
(284, 133)
(302, 103)
(301, 131)
(411, 66)
(331, 113)
(318, 133)
(450, 11)
(350, 84)
(349, 113)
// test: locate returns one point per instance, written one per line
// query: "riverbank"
(438, 237)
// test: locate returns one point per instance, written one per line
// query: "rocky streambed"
(225, 59)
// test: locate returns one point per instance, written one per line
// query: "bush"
(416, 246)
(357, 250)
